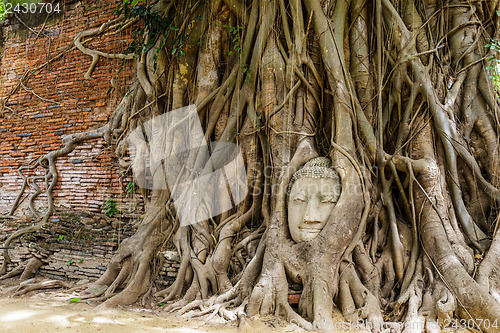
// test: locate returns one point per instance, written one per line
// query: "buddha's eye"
(299, 199)
(328, 199)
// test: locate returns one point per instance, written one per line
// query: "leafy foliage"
(130, 188)
(13, 3)
(110, 207)
(2, 10)
(236, 38)
(494, 63)
(151, 24)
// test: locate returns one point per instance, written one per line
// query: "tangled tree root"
(401, 242)
(31, 285)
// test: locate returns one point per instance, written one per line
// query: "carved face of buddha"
(313, 193)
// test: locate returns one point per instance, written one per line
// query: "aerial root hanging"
(357, 301)
(370, 282)
(48, 162)
(96, 54)
(230, 304)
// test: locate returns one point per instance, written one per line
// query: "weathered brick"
(32, 127)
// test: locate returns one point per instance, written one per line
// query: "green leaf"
(74, 300)
(487, 45)
(130, 186)
(80, 261)
(61, 237)
(498, 12)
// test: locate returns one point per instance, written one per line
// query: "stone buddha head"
(312, 193)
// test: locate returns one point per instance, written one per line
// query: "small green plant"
(80, 261)
(130, 188)
(151, 22)
(74, 300)
(26, 7)
(494, 62)
(178, 44)
(70, 262)
(110, 207)
(236, 38)
(2, 10)
(61, 237)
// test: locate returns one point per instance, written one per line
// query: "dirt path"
(41, 313)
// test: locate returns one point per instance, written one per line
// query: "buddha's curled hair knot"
(319, 167)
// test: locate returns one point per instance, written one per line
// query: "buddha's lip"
(311, 229)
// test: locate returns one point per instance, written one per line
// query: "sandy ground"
(40, 314)
(45, 313)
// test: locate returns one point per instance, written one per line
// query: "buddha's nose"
(311, 215)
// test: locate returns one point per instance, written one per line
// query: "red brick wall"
(57, 101)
